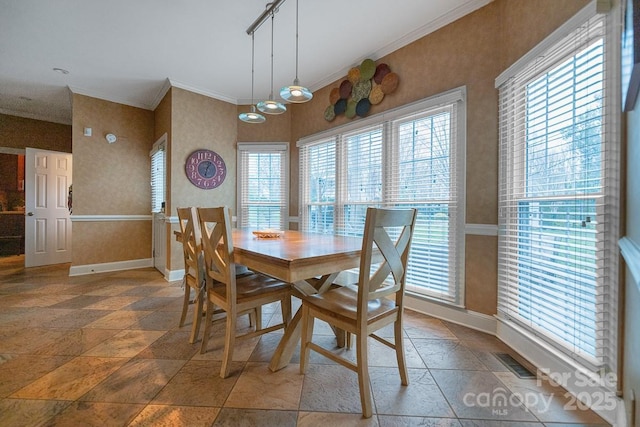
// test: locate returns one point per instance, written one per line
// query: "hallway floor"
(105, 350)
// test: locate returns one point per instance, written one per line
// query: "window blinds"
(157, 178)
(410, 157)
(263, 186)
(558, 198)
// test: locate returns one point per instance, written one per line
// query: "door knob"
(30, 214)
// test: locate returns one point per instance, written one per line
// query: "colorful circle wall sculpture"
(364, 86)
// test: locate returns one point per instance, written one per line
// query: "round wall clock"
(205, 169)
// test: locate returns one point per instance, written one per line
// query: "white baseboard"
(470, 319)
(79, 270)
(538, 353)
(173, 275)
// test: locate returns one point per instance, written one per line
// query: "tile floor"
(105, 350)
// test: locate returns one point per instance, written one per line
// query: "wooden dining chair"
(193, 268)
(235, 294)
(373, 303)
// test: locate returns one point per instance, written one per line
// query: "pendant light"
(253, 116)
(296, 93)
(271, 106)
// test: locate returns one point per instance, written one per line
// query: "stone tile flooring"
(105, 350)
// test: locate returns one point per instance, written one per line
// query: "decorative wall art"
(205, 169)
(363, 87)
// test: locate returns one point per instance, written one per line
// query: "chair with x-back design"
(374, 302)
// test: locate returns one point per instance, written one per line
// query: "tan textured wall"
(472, 52)
(274, 129)
(199, 122)
(524, 23)
(111, 179)
(112, 241)
(18, 132)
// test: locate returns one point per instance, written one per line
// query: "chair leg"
(399, 342)
(258, 318)
(197, 316)
(207, 327)
(229, 343)
(363, 375)
(307, 334)
(185, 304)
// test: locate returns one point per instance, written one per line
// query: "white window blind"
(263, 186)
(157, 178)
(318, 188)
(558, 201)
(410, 157)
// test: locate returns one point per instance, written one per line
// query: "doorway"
(12, 199)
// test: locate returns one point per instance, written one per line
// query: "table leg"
(287, 344)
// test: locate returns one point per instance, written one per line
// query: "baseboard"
(173, 275)
(80, 270)
(580, 383)
(470, 319)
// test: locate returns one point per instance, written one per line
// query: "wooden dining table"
(311, 262)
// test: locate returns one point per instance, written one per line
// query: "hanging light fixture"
(253, 116)
(296, 93)
(271, 106)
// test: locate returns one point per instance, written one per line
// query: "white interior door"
(47, 222)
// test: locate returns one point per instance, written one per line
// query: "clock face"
(205, 169)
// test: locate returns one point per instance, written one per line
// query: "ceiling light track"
(272, 8)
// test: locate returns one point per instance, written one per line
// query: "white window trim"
(160, 145)
(263, 147)
(534, 349)
(457, 95)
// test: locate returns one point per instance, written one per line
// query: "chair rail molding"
(104, 218)
(481, 229)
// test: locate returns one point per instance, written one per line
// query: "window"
(263, 193)
(157, 178)
(409, 157)
(559, 198)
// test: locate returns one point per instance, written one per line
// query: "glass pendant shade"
(270, 106)
(296, 93)
(252, 116)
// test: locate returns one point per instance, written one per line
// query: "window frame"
(456, 98)
(158, 147)
(512, 83)
(242, 176)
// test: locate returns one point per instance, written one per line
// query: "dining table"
(311, 262)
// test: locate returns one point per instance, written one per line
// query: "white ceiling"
(130, 51)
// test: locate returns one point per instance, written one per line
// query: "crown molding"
(42, 117)
(99, 95)
(195, 89)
